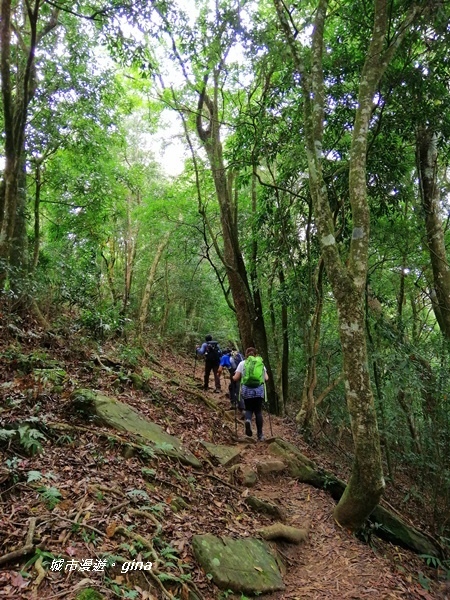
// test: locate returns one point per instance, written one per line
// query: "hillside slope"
(77, 492)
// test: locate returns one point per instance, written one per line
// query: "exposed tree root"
(387, 525)
(28, 547)
(277, 531)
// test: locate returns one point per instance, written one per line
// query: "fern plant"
(50, 495)
(29, 438)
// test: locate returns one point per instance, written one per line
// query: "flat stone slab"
(225, 455)
(122, 417)
(243, 565)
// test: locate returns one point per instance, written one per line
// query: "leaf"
(6, 434)
(18, 581)
(111, 529)
(258, 569)
(34, 476)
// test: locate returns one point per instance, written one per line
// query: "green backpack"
(253, 375)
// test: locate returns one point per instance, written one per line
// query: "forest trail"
(104, 493)
(332, 564)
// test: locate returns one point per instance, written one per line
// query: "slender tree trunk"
(427, 155)
(19, 242)
(405, 404)
(306, 417)
(248, 309)
(130, 255)
(285, 347)
(37, 215)
(150, 281)
(348, 281)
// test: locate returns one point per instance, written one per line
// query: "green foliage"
(50, 495)
(27, 437)
(7, 434)
(47, 558)
(88, 594)
(148, 472)
(34, 476)
(31, 439)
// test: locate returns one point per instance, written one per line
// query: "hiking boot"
(243, 415)
(216, 391)
(261, 438)
(248, 429)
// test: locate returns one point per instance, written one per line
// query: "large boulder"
(122, 417)
(246, 566)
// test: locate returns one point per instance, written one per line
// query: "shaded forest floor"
(88, 494)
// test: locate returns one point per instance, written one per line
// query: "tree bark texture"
(427, 155)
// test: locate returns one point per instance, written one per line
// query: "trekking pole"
(195, 363)
(238, 401)
(268, 411)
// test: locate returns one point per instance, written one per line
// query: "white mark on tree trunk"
(328, 240)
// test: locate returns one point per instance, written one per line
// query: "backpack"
(235, 358)
(213, 352)
(253, 375)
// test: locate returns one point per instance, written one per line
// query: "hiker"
(210, 349)
(230, 360)
(252, 374)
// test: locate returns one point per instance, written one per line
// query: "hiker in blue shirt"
(252, 391)
(212, 353)
(230, 360)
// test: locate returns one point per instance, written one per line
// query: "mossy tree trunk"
(427, 162)
(348, 280)
(19, 38)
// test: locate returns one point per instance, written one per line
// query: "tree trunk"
(348, 281)
(18, 79)
(36, 211)
(389, 526)
(248, 308)
(19, 242)
(150, 281)
(285, 347)
(306, 417)
(132, 232)
(427, 154)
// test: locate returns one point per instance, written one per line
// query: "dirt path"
(331, 564)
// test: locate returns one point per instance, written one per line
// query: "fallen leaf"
(18, 581)
(111, 529)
